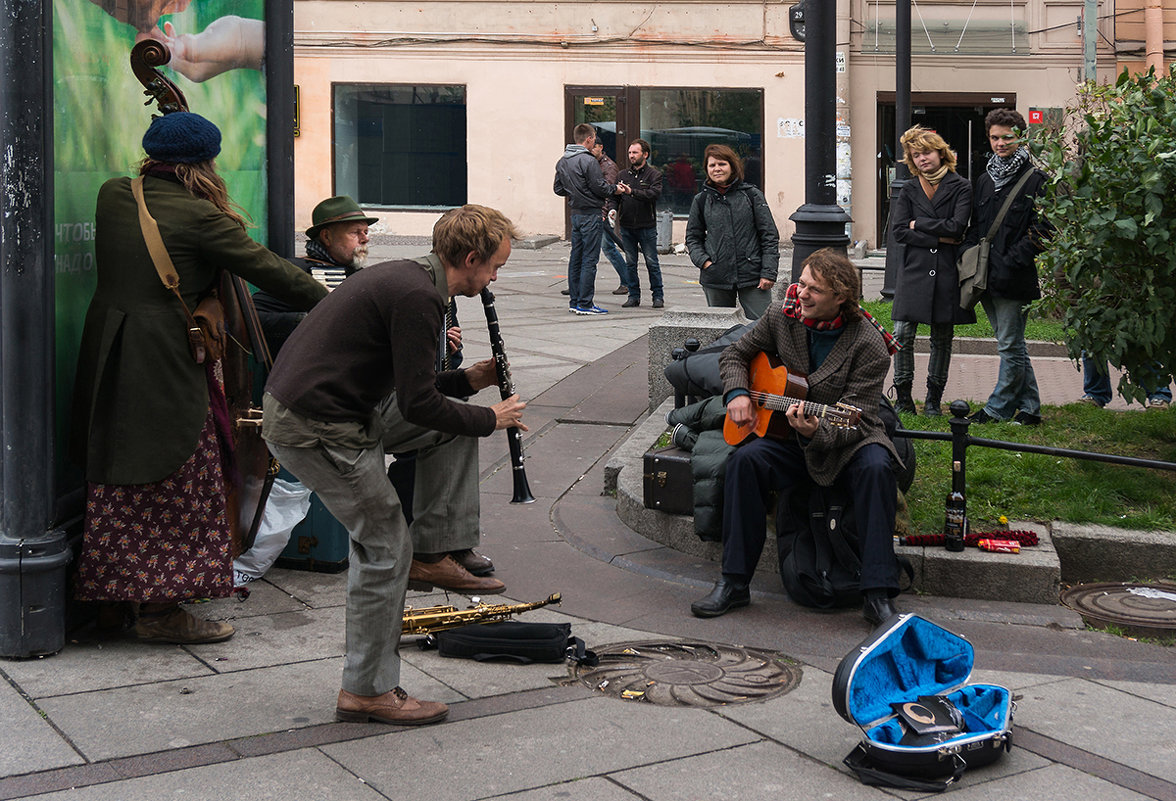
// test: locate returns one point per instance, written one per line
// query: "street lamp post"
(902, 121)
(820, 222)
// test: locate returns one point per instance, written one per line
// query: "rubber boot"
(903, 402)
(931, 404)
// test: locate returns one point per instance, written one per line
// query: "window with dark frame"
(680, 123)
(400, 145)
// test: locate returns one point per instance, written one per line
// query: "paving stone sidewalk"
(253, 717)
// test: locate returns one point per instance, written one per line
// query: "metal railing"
(960, 440)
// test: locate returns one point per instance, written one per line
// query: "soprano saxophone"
(514, 437)
(429, 619)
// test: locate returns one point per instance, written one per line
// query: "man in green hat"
(440, 526)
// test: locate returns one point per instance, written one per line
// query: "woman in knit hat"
(144, 422)
(930, 217)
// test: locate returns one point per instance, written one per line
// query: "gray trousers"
(343, 463)
(445, 510)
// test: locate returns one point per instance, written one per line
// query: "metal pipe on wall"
(1153, 24)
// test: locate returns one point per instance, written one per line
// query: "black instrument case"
(905, 658)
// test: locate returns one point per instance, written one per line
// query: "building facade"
(415, 108)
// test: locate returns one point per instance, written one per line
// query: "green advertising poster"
(99, 117)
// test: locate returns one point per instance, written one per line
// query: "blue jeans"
(646, 239)
(614, 255)
(586, 231)
(904, 359)
(1098, 384)
(755, 301)
(1016, 384)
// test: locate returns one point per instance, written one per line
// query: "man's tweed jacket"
(853, 372)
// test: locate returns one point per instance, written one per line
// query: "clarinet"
(514, 437)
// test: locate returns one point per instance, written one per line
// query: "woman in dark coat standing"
(930, 219)
(149, 424)
(732, 237)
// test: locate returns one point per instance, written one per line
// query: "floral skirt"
(164, 541)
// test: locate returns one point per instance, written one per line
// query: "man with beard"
(638, 212)
(350, 381)
(444, 529)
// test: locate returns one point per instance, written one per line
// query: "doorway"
(606, 109)
(957, 117)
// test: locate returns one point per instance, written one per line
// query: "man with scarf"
(448, 529)
(819, 331)
(1012, 273)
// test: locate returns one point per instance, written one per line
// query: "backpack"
(819, 552)
(819, 549)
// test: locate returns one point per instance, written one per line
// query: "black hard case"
(668, 481)
(906, 657)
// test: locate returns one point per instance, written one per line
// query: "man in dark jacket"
(1012, 272)
(356, 369)
(578, 177)
(608, 246)
(819, 331)
(638, 216)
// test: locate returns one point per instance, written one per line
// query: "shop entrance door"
(958, 118)
(607, 109)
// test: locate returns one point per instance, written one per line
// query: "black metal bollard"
(959, 450)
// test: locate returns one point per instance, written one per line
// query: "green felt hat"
(334, 210)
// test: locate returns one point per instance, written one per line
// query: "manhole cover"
(1145, 610)
(689, 673)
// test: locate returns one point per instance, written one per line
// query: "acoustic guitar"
(773, 391)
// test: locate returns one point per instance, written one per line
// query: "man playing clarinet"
(356, 379)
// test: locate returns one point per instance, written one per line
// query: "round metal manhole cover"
(1145, 610)
(689, 673)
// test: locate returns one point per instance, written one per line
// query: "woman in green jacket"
(145, 426)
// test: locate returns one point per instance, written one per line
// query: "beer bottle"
(954, 522)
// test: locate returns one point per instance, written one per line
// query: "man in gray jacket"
(578, 177)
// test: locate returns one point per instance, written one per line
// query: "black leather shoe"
(878, 610)
(981, 417)
(725, 596)
(630, 303)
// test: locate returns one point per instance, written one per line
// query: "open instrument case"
(906, 658)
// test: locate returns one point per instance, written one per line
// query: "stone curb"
(1066, 552)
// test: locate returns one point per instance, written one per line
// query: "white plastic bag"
(287, 506)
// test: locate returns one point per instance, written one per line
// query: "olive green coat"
(139, 400)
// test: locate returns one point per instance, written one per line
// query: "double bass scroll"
(514, 437)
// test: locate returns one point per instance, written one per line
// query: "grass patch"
(1036, 328)
(1026, 486)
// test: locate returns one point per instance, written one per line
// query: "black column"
(820, 222)
(279, 91)
(902, 121)
(33, 555)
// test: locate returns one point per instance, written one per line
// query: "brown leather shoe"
(473, 561)
(181, 628)
(394, 706)
(449, 575)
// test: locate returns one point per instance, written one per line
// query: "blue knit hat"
(182, 138)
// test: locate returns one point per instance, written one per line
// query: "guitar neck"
(780, 403)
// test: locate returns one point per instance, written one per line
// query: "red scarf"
(791, 309)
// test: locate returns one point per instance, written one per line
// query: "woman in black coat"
(930, 218)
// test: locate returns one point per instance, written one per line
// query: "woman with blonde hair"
(930, 217)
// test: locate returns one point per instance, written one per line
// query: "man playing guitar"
(820, 331)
